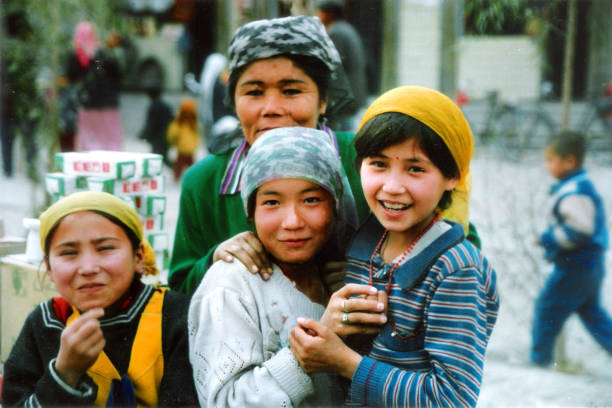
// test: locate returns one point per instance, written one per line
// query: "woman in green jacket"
(283, 72)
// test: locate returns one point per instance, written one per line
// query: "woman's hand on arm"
(318, 349)
(356, 309)
(80, 345)
(247, 248)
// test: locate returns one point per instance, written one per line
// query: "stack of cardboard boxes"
(136, 178)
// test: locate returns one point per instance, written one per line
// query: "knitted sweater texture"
(238, 337)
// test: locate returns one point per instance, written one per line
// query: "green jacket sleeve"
(205, 220)
(347, 153)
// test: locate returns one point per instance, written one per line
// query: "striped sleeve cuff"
(83, 391)
(365, 386)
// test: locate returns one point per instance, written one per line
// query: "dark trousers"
(568, 290)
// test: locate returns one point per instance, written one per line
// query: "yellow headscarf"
(102, 202)
(444, 117)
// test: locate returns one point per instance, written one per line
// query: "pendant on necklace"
(393, 333)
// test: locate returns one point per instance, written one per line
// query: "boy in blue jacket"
(575, 241)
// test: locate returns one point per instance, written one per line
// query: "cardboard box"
(147, 164)
(159, 240)
(162, 260)
(149, 205)
(132, 186)
(154, 223)
(99, 163)
(22, 287)
(61, 184)
(131, 200)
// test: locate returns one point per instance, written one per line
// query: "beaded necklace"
(393, 267)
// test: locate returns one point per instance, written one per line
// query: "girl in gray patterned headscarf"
(302, 153)
(291, 190)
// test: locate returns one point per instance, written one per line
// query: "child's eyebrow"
(416, 160)
(249, 83)
(268, 192)
(306, 190)
(103, 239)
(284, 82)
(413, 159)
(311, 189)
(291, 81)
(67, 244)
(96, 241)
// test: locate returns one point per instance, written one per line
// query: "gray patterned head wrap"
(292, 152)
(301, 35)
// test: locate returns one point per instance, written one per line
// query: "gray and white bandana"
(292, 152)
(300, 35)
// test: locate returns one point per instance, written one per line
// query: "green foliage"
(36, 39)
(496, 17)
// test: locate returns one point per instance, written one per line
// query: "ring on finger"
(345, 318)
(344, 306)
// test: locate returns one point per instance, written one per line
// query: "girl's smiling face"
(403, 188)
(293, 218)
(91, 260)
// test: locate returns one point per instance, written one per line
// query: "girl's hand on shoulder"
(356, 309)
(247, 248)
(318, 349)
(80, 345)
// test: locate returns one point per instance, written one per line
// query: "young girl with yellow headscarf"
(108, 339)
(413, 151)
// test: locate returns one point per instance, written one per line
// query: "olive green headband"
(102, 202)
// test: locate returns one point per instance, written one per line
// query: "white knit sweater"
(238, 342)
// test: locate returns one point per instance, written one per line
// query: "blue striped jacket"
(444, 303)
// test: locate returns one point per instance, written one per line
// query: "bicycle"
(510, 131)
(596, 124)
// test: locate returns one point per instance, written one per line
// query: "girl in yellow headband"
(108, 339)
(413, 152)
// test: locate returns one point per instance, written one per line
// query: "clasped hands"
(319, 345)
